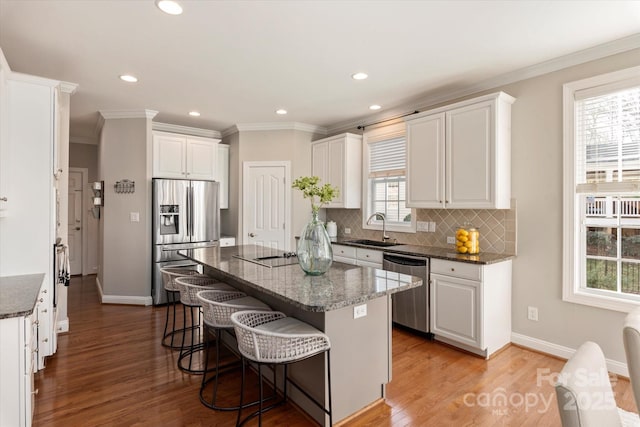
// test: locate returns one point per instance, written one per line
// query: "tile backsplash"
(497, 227)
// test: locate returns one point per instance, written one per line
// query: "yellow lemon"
(468, 244)
(459, 243)
(463, 238)
(463, 232)
(462, 249)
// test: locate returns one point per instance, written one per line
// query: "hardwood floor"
(110, 370)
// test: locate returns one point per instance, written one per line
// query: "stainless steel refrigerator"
(186, 214)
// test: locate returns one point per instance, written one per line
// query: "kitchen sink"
(378, 243)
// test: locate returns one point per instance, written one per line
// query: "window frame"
(574, 250)
(376, 135)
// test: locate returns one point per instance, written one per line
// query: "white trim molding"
(252, 127)
(67, 87)
(618, 368)
(128, 114)
(185, 130)
(62, 326)
(82, 140)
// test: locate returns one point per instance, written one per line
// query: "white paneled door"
(266, 204)
(75, 222)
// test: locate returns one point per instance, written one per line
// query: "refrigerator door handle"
(188, 196)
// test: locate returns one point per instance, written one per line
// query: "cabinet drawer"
(344, 251)
(370, 255)
(457, 269)
(344, 260)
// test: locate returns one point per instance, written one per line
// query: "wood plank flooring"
(110, 370)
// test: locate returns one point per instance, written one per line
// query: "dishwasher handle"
(405, 260)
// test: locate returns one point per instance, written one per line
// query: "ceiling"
(236, 62)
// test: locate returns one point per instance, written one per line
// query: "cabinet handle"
(37, 322)
(4, 199)
(44, 311)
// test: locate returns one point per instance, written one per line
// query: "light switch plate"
(347, 230)
(432, 227)
(423, 226)
(134, 216)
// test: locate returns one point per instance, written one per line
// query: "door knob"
(252, 235)
(4, 199)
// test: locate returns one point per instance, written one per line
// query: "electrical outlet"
(432, 227)
(359, 311)
(451, 240)
(347, 230)
(532, 313)
(422, 226)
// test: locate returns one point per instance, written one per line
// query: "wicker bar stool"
(189, 286)
(272, 338)
(217, 307)
(169, 274)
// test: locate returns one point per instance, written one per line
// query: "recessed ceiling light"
(169, 6)
(128, 78)
(359, 76)
(194, 113)
(374, 107)
(281, 111)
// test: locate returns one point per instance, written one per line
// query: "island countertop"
(18, 294)
(342, 286)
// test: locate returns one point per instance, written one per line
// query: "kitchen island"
(350, 304)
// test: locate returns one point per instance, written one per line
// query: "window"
(384, 179)
(602, 191)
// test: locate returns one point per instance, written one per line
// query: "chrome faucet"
(378, 215)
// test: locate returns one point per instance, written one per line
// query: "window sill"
(392, 228)
(600, 301)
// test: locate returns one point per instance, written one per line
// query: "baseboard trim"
(122, 299)
(618, 368)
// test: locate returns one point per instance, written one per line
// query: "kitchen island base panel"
(360, 356)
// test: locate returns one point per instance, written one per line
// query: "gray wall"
(278, 145)
(125, 257)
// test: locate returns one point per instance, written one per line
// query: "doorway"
(76, 219)
(266, 207)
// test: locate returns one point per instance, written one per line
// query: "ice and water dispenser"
(169, 219)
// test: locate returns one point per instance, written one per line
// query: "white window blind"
(607, 138)
(387, 158)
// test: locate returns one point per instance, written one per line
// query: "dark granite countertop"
(18, 294)
(342, 286)
(431, 252)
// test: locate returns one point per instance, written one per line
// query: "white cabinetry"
(357, 256)
(183, 156)
(471, 305)
(337, 160)
(227, 241)
(459, 156)
(222, 175)
(16, 370)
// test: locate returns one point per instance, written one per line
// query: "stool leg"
(242, 362)
(329, 385)
(215, 380)
(166, 320)
(261, 395)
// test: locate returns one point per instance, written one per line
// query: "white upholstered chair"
(584, 393)
(631, 338)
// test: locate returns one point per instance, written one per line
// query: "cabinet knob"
(37, 322)
(252, 235)
(41, 300)
(44, 291)
(44, 311)
(453, 269)
(45, 340)
(4, 199)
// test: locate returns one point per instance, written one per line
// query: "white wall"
(125, 250)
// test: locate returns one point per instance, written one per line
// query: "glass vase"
(314, 248)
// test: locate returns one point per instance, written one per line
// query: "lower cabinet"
(357, 256)
(17, 360)
(470, 305)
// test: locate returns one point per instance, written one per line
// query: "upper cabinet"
(184, 156)
(459, 156)
(337, 160)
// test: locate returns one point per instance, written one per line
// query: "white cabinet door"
(169, 156)
(426, 162)
(456, 309)
(470, 157)
(202, 158)
(222, 175)
(337, 160)
(4, 145)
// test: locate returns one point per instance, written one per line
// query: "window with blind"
(384, 178)
(602, 190)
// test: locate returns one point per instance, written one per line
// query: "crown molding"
(67, 87)
(269, 126)
(185, 130)
(128, 114)
(82, 140)
(438, 97)
(28, 78)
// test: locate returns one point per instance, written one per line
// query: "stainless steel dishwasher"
(410, 308)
